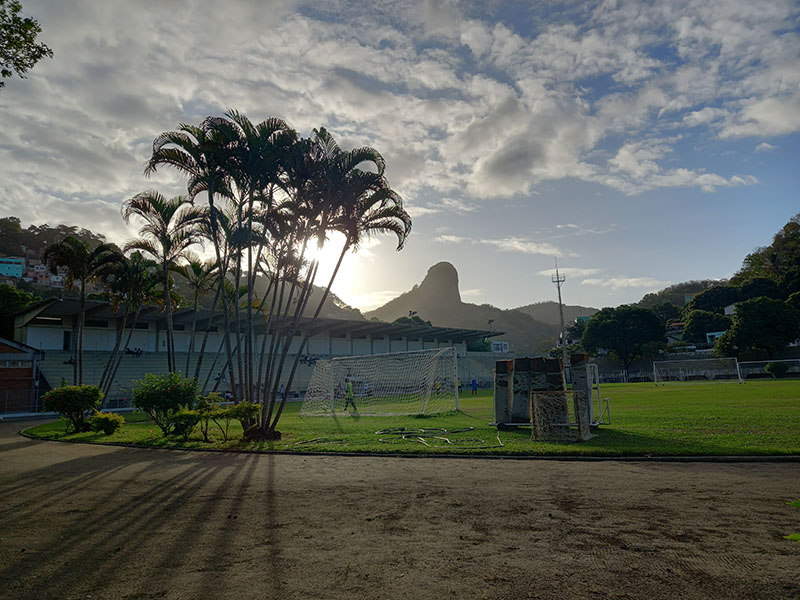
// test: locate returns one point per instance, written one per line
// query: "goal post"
(697, 370)
(417, 382)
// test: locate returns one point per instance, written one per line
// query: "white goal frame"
(701, 370)
(416, 382)
(756, 367)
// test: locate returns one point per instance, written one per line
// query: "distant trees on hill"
(37, 237)
(676, 294)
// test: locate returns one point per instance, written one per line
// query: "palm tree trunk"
(301, 304)
(81, 320)
(307, 335)
(201, 352)
(170, 331)
(109, 382)
(267, 322)
(194, 327)
(117, 341)
(222, 271)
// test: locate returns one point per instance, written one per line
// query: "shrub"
(162, 396)
(206, 407)
(776, 369)
(245, 413)
(74, 402)
(184, 421)
(108, 423)
(222, 418)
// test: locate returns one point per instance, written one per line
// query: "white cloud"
(574, 229)
(616, 283)
(370, 300)
(471, 293)
(514, 244)
(770, 116)
(703, 116)
(506, 244)
(464, 109)
(570, 271)
(451, 239)
(635, 169)
(764, 147)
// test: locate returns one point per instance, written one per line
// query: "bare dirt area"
(81, 521)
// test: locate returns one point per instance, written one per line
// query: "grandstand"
(48, 326)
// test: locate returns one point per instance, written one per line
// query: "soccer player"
(348, 394)
(474, 386)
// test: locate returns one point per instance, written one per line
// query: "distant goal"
(401, 383)
(698, 371)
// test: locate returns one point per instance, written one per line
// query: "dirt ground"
(80, 521)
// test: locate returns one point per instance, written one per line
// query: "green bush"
(206, 407)
(162, 396)
(184, 421)
(74, 402)
(245, 413)
(777, 369)
(108, 423)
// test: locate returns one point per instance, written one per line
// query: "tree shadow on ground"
(72, 524)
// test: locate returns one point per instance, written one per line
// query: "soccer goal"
(758, 368)
(401, 383)
(699, 370)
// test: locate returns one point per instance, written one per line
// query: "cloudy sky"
(641, 145)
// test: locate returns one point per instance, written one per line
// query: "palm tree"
(131, 283)
(200, 276)
(270, 197)
(83, 265)
(359, 204)
(170, 229)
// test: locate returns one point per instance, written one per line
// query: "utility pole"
(558, 279)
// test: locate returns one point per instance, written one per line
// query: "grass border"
(709, 458)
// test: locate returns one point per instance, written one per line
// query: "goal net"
(560, 416)
(401, 383)
(698, 370)
(758, 368)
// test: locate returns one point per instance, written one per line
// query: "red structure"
(19, 377)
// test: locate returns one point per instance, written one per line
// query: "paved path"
(81, 521)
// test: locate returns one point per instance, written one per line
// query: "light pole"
(558, 279)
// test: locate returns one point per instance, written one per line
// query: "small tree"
(108, 423)
(19, 51)
(74, 402)
(483, 345)
(162, 396)
(762, 324)
(701, 322)
(625, 332)
(714, 299)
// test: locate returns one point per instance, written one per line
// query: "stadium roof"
(55, 309)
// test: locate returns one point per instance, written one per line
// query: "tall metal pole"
(558, 279)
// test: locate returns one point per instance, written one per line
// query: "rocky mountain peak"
(441, 282)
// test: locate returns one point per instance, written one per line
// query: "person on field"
(474, 386)
(348, 394)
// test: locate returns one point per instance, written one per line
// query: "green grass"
(758, 418)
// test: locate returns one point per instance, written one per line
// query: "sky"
(638, 144)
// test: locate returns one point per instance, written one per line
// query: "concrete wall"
(45, 338)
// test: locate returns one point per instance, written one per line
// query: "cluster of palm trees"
(273, 201)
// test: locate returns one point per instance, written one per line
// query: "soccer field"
(757, 418)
